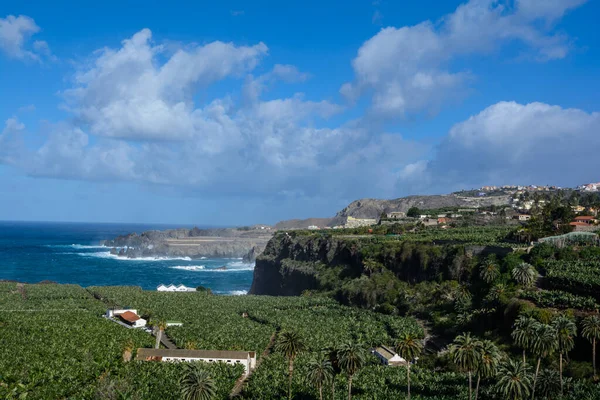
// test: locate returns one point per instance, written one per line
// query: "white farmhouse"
(173, 288)
(245, 358)
(132, 319)
(388, 356)
(115, 312)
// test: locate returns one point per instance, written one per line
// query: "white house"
(173, 288)
(246, 358)
(174, 323)
(132, 319)
(115, 312)
(388, 356)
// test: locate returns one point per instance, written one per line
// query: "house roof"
(129, 316)
(584, 218)
(142, 354)
(385, 352)
(578, 224)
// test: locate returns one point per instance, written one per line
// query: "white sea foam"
(107, 254)
(203, 258)
(189, 267)
(237, 292)
(77, 246)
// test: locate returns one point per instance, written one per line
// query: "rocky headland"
(246, 242)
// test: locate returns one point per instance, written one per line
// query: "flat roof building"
(245, 358)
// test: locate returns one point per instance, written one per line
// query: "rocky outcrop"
(290, 265)
(194, 243)
(372, 208)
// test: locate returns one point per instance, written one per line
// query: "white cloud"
(15, 33)
(405, 70)
(10, 141)
(137, 120)
(128, 93)
(518, 143)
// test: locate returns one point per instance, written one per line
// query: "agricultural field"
(54, 342)
(577, 276)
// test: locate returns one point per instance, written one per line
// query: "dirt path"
(239, 384)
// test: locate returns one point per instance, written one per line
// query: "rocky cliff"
(193, 243)
(292, 263)
(372, 208)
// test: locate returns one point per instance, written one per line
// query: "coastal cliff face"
(292, 264)
(194, 243)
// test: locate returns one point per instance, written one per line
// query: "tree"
(487, 363)
(549, 383)
(197, 384)
(515, 380)
(489, 271)
(127, 350)
(544, 343)
(290, 344)
(524, 274)
(409, 348)
(351, 358)
(413, 212)
(464, 353)
(159, 328)
(319, 372)
(566, 330)
(523, 331)
(591, 331)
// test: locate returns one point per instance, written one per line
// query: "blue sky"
(252, 112)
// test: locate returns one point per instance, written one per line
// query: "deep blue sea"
(71, 253)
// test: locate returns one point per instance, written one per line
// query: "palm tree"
(319, 372)
(196, 384)
(464, 353)
(409, 348)
(524, 274)
(544, 343)
(128, 350)
(489, 271)
(487, 364)
(515, 380)
(566, 330)
(591, 331)
(523, 331)
(290, 344)
(159, 328)
(549, 383)
(351, 358)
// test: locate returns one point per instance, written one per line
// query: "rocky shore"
(247, 242)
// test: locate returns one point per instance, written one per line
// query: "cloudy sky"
(252, 112)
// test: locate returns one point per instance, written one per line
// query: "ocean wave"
(189, 267)
(107, 254)
(77, 246)
(233, 292)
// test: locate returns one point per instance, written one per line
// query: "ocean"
(71, 253)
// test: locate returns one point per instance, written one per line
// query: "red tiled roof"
(579, 224)
(584, 218)
(129, 316)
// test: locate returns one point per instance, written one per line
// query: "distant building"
(388, 357)
(578, 209)
(352, 222)
(174, 323)
(115, 312)
(583, 227)
(396, 215)
(588, 219)
(523, 217)
(245, 358)
(313, 227)
(173, 288)
(443, 221)
(132, 319)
